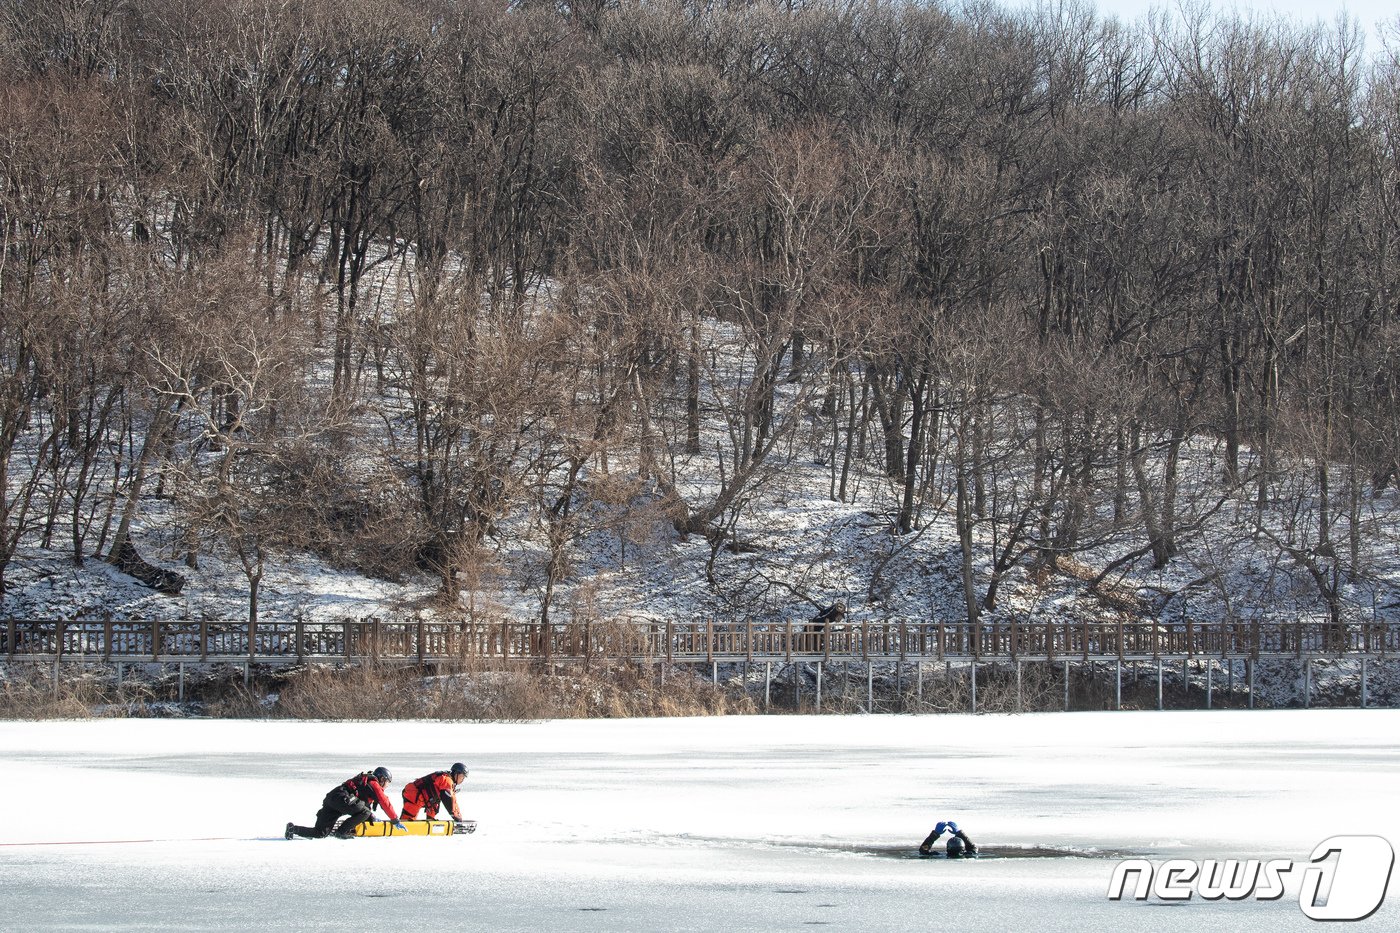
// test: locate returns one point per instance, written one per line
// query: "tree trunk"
(151, 450)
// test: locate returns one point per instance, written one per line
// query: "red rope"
(113, 842)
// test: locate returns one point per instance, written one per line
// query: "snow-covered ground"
(755, 823)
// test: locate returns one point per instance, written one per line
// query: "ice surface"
(733, 824)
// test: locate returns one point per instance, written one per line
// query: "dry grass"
(1121, 600)
(492, 692)
(29, 692)
(485, 693)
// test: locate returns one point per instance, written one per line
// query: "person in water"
(959, 844)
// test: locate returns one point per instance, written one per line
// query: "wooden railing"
(684, 642)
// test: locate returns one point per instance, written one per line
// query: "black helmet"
(459, 768)
(955, 847)
(383, 776)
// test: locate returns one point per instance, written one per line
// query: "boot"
(288, 834)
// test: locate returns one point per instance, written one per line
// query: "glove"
(398, 824)
(371, 821)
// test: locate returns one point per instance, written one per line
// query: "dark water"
(983, 852)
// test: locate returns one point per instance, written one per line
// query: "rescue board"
(416, 828)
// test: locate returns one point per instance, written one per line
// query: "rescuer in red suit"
(432, 791)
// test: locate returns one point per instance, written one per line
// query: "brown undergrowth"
(491, 692)
(482, 693)
(32, 692)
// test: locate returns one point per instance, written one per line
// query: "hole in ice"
(984, 852)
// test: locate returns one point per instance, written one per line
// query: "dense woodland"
(390, 281)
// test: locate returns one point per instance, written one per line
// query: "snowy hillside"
(801, 551)
(661, 323)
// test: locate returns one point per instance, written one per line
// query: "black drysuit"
(355, 800)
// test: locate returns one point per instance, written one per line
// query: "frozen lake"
(732, 824)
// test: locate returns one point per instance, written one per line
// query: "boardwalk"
(280, 643)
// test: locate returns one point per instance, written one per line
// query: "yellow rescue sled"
(416, 828)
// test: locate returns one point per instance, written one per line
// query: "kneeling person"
(355, 800)
(432, 791)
